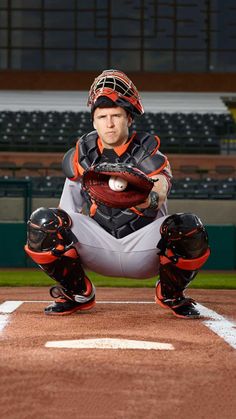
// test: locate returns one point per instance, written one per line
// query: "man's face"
(112, 125)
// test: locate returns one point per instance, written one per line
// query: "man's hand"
(160, 186)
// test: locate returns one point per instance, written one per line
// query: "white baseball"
(116, 183)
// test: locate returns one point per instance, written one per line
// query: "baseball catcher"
(112, 217)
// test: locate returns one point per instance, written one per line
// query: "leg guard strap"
(174, 280)
(183, 263)
(48, 257)
(67, 270)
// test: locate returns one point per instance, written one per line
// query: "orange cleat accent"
(180, 306)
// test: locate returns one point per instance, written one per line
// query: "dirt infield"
(195, 380)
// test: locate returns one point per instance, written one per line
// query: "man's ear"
(94, 125)
(130, 120)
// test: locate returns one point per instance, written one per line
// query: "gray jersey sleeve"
(71, 198)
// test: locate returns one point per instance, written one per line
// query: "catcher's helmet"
(115, 85)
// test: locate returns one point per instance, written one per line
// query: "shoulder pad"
(69, 166)
(151, 160)
(148, 142)
(88, 150)
(153, 164)
(81, 157)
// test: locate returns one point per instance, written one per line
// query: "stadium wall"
(155, 82)
(211, 212)
(222, 241)
(206, 164)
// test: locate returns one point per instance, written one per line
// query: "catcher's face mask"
(115, 85)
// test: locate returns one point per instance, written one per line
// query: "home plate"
(109, 343)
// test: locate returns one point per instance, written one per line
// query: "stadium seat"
(182, 188)
(5, 141)
(55, 166)
(188, 169)
(225, 170)
(8, 167)
(36, 168)
(53, 130)
(49, 186)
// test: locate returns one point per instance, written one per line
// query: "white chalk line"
(217, 323)
(10, 306)
(4, 319)
(5, 309)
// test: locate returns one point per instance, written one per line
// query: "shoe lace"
(58, 291)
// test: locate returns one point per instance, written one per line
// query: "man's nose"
(110, 122)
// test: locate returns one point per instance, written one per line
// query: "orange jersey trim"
(100, 145)
(122, 148)
(118, 150)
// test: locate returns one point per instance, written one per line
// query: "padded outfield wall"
(222, 241)
(219, 216)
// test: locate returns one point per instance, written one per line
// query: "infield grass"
(36, 278)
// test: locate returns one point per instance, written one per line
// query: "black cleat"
(67, 303)
(181, 306)
(61, 306)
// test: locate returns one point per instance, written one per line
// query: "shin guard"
(183, 250)
(51, 244)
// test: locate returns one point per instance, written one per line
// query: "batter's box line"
(217, 323)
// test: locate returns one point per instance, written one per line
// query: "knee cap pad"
(184, 239)
(49, 228)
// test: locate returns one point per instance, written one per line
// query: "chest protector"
(142, 152)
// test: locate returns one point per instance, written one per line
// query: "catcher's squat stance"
(112, 217)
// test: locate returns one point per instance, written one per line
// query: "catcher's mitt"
(95, 182)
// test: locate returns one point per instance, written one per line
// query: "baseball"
(116, 183)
